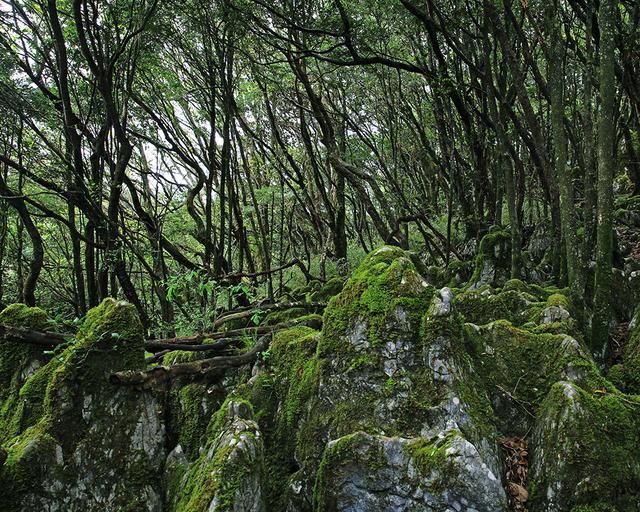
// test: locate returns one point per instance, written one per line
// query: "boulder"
(84, 444)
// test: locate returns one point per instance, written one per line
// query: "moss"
(481, 307)
(287, 315)
(519, 367)
(280, 399)
(16, 357)
(25, 463)
(16, 361)
(558, 300)
(434, 456)
(597, 432)
(109, 340)
(617, 377)
(466, 383)
(179, 356)
(294, 316)
(191, 407)
(20, 315)
(329, 289)
(54, 400)
(386, 280)
(493, 260)
(628, 202)
(382, 303)
(627, 375)
(222, 467)
(516, 285)
(599, 507)
(452, 275)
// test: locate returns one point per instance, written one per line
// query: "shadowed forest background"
(190, 157)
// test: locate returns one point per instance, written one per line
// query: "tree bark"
(606, 167)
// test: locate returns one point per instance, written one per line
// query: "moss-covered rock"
(398, 402)
(382, 473)
(280, 396)
(483, 306)
(453, 275)
(191, 407)
(518, 369)
(626, 375)
(585, 451)
(228, 474)
(18, 362)
(493, 260)
(92, 446)
(379, 372)
(329, 289)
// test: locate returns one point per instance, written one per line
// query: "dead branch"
(246, 312)
(20, 335)
(233, 334)
(200, 368)
(195, 343)
(232, 277)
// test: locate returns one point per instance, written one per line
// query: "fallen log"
(192, 343)
(156, 357)
(248, 311)
(201, 368)
(54, 339)
(153, 346)
(232, 334)
(44, 339)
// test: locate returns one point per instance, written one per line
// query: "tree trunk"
(606, 167)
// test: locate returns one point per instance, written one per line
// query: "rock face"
(77, 443)
(493, 260)
(364, 472)
(228, 473)
(401, 402)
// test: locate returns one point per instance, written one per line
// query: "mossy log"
(194, 343)
(201, 368)
(21, 335)
(249, 311)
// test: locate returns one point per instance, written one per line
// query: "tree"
(606, 167)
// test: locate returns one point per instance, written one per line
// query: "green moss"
(467, 384)
(435, 456)
(627, 375)
(280, 399)
(16, 360)
(329, 289)
(481, 307)
(52, 403)
(179, 356)
(386, 280)
(519, 367)
(285, 316)
(454, 274)
(109, 340)
(516, 285)
(600, 507)
(221, 468)
(20, 315)
(597, 432)
(25, 463)
(617, 377)
(191, 407)
(559, 300)
(294, 316)
(493, 252)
